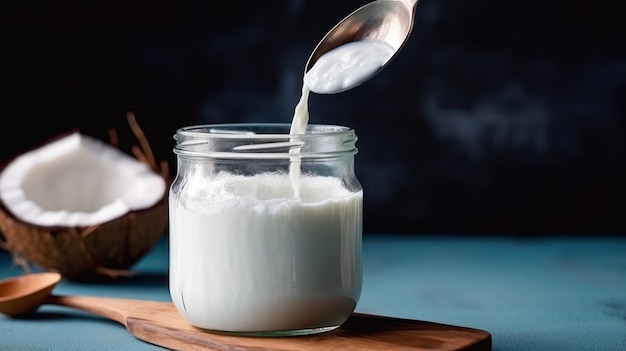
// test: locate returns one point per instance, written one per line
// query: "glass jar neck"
(264, 141)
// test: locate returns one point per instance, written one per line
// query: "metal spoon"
(388, 20)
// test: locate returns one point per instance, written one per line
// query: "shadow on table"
(62, 314)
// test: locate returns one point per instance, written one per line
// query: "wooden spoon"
(160, 323)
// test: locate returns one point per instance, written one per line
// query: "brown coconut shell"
(80, 253)
(108, 249)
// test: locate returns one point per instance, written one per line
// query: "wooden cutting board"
(361, 332)
(160, 323)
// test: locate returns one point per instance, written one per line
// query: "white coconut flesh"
(77, 181)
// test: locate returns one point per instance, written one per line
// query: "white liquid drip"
(298, 126)
(339, 69)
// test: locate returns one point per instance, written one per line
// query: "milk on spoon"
(344, 67)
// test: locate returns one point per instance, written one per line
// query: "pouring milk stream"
(345, 66)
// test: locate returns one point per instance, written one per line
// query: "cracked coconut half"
(81, 207)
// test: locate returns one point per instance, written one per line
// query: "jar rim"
(238, 130)
(264, 140)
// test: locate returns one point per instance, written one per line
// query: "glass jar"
(265, 228)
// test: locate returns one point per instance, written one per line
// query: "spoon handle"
(111, 308)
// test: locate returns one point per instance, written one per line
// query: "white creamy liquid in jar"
(246, 256)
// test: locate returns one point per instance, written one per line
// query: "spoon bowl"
(390, 21)
(24, 294)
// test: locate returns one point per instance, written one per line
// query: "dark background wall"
(498, 117)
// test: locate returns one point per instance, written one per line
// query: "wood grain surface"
(160, 323)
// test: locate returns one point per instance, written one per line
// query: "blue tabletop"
(548, 293)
